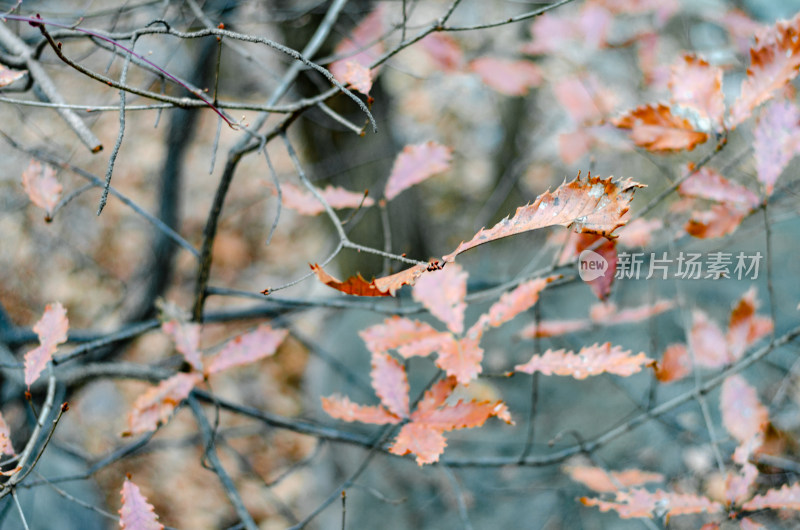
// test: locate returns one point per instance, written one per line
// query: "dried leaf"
(589, 361)
(707, 342)
(719, 221)
(786, 498)
(444, 50)
(573, 145)
(697, 85)
(5, 438)
(738, 486)
(363, 45)
(390, 383)
(155, 406)
(675, 364)
(641, 503)
(248, 348)
(603, 481)
(708, 184)
(186, 337)
(461, 358)
(442, 293)
(136, 513)
(607, 249)
(554, 328)
(745, 327)
(408, 337)
(610, 314)
(304, 202)
(514, 302)
(774, 61)
(8, 76)
(357, 76)
(638, 233)
(415, 164)
(343, 409)
(52, 331)
(776, 140)
(506, 76)
(386, 286)
(593, 205)
(418, 439)
(743, 415)
(39, 182)
(584, 99)
(656, 128)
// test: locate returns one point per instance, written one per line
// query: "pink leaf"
(639, 232)
(745, 327)
(343, 409)
(600, 480)
(442, 292)
(390, 383)
(514, 302)
(419, 439)
(248, 348)
(444, 50)
(776, 141)
(508, 77)
(39, 182)
(554, 328)
(589, 361)
(641, 503)
(708, 184)
(721, 220)
(707, 342)
(136, 513)
(8, 76)
(415, 164)
(743, 415)
(186, 337)
(363, 45)
(5, 438)
(584, 99)
(697, 85)
(357, 76)
(610, 314)
(156, 405)
(409, 337)
(52, 331)
(304, 202)
(574, 144)
(788, 497)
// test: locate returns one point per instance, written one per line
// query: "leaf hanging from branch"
(589, 361)
(697, 85)
(603, 481)
(743, 415)
(656, 128)
(41, 186)
(709, 184)
(593, 205)
(511, 304)
(186, 337)
(386, 286)
(52, 331)
(415, 164)
(136, 513)
(409, 337)
(155, 406)
(776, 140)
(506, 76)
(442, 292)
(390, 383)
(248, 348)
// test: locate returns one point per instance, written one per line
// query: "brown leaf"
(655, 128)
(52, 331)
(745, 327)
(593, 205)
(675, 364)
(136, 513)
(386, 286)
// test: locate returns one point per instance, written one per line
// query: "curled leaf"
(656, 128)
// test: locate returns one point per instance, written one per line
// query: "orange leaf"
(697, 85)
(39, 182)
(390, 383)
(593, 205)
(343, 409)
(506, 76)
(408, 337)
(600, 480)
(426, 443)
(774, 61)
(156, 405)
(708, 184)
(554, 328)
(460, 358)
(641, 503)
(304, 202)
(442, 293)
(444, 50)
(136, 513)
(745, 327)
(437, 394)
(610, 314)
(657, 129)
(5, 438)
(363, 45)
(357, 76)
(514, 302)
(52, 331)
(186, 337)
(358, 286)
(743, 415)
(776, 140)
(788, 497)
(248, 348)
(675, 364)
(719, 221)
(415, 164)
(607, 249)
(590, 360)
